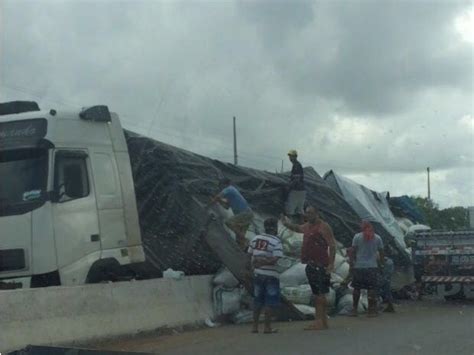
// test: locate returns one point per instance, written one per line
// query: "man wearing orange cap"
(296, 190)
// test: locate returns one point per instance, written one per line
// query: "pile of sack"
(233, 301)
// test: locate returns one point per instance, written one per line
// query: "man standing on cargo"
(368, 250)
(243, 215)
(296, 190)
(318, 253)
(265, 250)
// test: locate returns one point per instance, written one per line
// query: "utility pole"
(282, 166)
(235, 145)
(429, 185)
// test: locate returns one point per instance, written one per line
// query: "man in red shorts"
(318, 252)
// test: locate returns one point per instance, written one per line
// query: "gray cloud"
(362, 87)
(376, 57)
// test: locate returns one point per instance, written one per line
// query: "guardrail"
(70, 315)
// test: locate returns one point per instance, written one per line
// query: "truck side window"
(71, 178)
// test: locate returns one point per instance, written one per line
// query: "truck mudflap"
(52, 350)
(227, 250)
(447, 279)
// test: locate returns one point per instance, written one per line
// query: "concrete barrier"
(62, 315)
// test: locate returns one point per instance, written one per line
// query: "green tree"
(453, 218)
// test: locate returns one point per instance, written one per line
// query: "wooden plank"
(238, 263)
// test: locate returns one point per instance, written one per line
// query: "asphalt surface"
(427, 327)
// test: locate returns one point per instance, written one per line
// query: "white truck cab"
(68, 212)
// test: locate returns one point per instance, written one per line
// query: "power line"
(39, 96)
(168, 131)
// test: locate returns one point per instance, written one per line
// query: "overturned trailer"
(173, 187)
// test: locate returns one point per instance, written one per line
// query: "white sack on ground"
(299, 294)
(344, 305)
(338, 260)
(242, 316)
(225, 278)
(331, 298)
(336, 279)
(293, 245)
(305, 309)
(342, 270)
(226, 301)
(285, 263)
(294, 276)
(173, 274)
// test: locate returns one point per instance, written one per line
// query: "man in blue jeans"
(265, 250)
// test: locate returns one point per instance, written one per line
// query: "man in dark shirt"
(296, 191)
(318, 252)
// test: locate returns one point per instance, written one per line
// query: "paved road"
(429, 327)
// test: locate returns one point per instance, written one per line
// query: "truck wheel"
(104, 271)
(456, 297)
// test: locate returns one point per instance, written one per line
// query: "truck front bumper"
(447, 279)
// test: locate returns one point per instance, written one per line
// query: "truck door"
(76, 226)
(109, 199)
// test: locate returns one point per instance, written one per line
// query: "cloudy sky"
(376, 90)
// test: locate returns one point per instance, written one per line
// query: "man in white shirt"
(265, 250)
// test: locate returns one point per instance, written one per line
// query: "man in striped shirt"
(265, 250)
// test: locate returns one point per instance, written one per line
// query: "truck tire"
(456, 297)
(104, 271)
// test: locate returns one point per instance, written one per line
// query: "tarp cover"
(404, 206)
(173, 187)
(372, 206)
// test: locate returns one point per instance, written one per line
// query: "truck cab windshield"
(23, 176)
